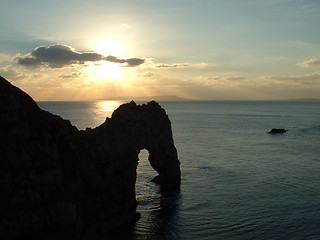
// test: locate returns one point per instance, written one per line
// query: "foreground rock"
(277, 130)
(67, 184)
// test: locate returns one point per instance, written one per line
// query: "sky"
(195, 49)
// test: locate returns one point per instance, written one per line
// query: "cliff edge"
(64, 183)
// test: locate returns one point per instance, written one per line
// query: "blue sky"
(197, 49)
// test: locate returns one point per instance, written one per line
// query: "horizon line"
(148, 99)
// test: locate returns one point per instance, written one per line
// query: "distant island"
(307, 99)
(174, 98)
(164, 98)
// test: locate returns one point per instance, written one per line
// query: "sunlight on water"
(101, 110)
(83, 115)
(105, 108)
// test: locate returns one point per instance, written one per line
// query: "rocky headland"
(57, 182)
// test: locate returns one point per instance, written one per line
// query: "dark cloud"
(57, 56)
(60, 56)
(114, 59)
(131, 62)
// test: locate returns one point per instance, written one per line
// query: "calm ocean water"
(238, 181)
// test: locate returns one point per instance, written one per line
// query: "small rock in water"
(277, 130)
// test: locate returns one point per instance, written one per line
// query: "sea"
(238, 181)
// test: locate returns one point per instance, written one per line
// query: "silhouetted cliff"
(60, 182)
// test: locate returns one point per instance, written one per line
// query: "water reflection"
(83, 114)
(164, 220)
(105, 108)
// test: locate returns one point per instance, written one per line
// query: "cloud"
(209, 80)
(72, 75)
(131, 62)
(234, 78)
(37, 75)
(310, 62)
(184, 88)
(61, 56)
(4, 58)
(56, 56)
(146, 75)
(302, 78)
(179, 65)
(11, 73)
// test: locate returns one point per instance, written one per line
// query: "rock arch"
(81, 182)
(133, 128)
(116, 145)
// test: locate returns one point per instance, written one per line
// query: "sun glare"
(105, 70)
(109, 46)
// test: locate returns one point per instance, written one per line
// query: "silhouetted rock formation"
(277, 130)
(58, 181)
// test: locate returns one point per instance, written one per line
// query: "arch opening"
(145, 173)
(156, 210)
(148, 194)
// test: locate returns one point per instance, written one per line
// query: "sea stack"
(277, 130)
(64, 183)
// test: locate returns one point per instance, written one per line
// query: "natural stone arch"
(135, 128)
(76, 181)
(130, 129)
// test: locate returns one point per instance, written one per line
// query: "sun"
(105, 69)
(109, 46)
